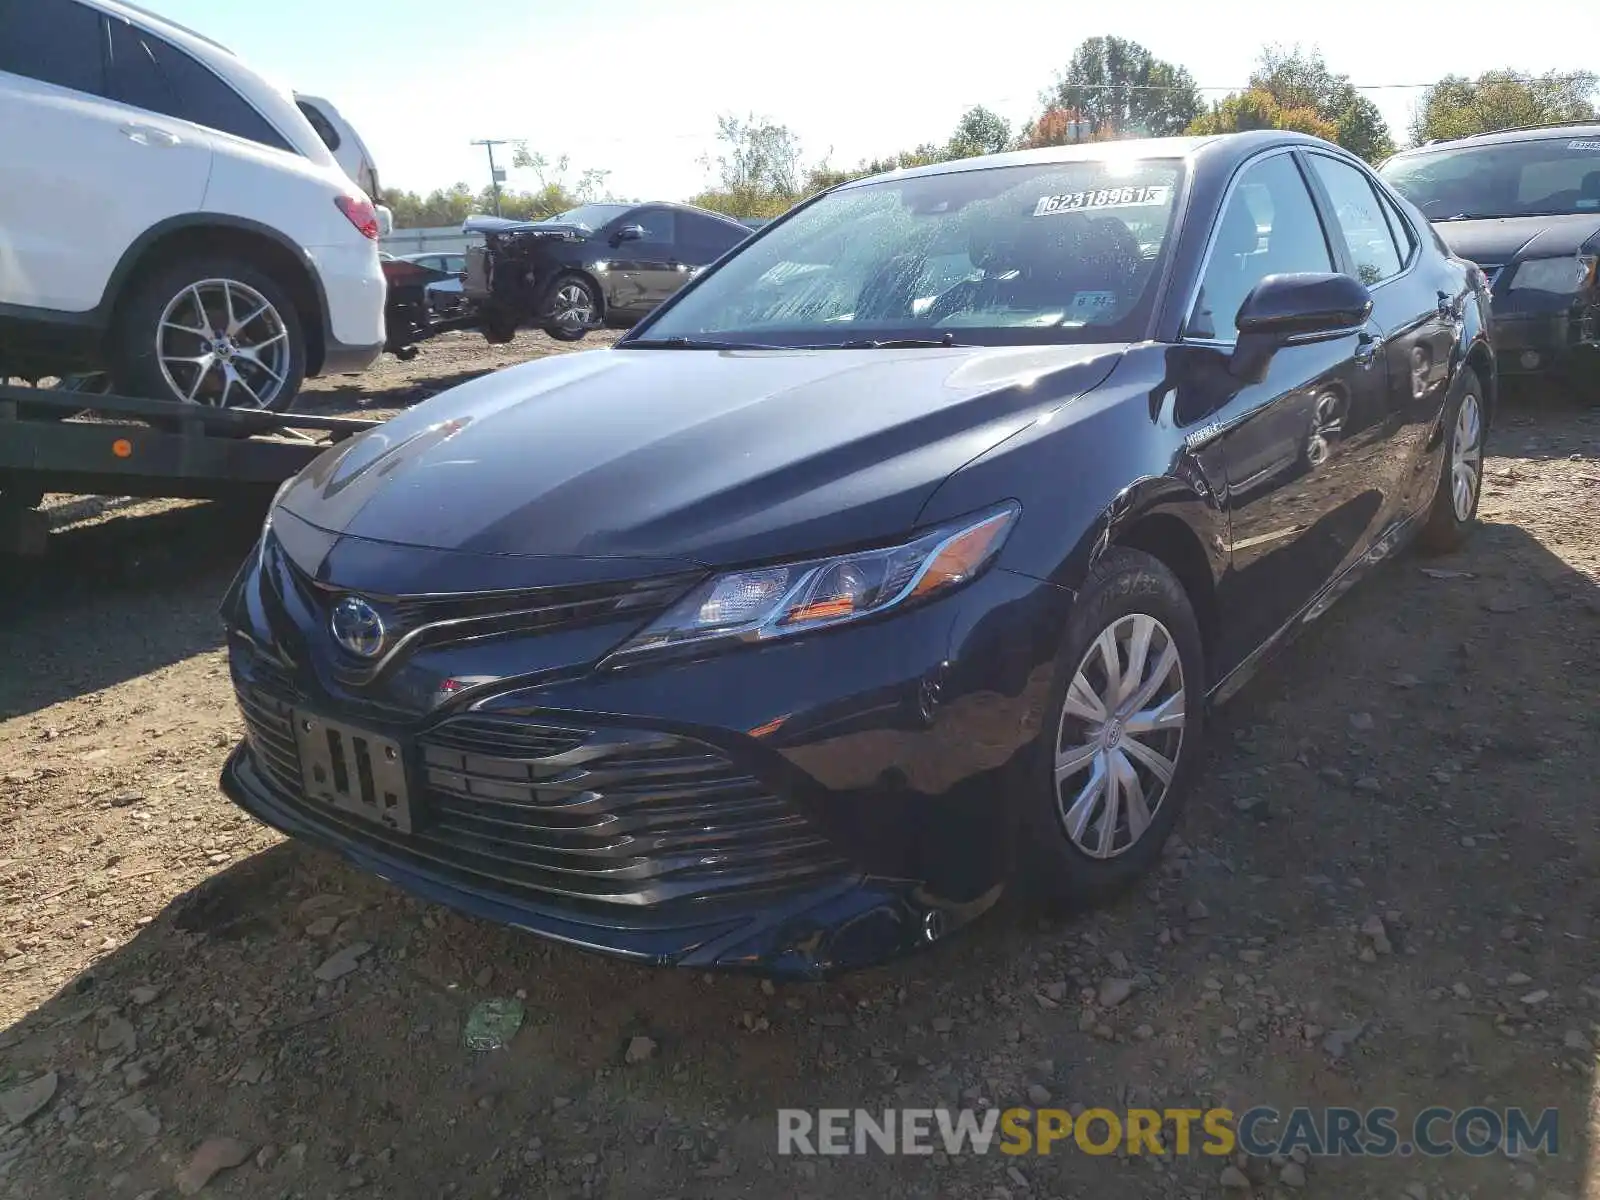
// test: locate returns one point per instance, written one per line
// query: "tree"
(1259, 109)
(1061, 127)
(552, 177)
(1457, 106)
(1299, 80)
(442, 206)
(758, 172)
(980, 131)
(1118, 85)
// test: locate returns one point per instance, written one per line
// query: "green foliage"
(1457, 106)
(980, 131)
(1122, 89)
(1260, 109)
(1299, 80)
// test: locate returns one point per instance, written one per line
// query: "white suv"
(170, 216)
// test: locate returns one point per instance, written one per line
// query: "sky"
(636, 87)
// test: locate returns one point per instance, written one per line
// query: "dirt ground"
(1386, 891)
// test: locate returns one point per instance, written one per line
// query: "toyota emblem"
(357, 627)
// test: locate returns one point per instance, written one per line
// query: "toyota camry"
(891, 565)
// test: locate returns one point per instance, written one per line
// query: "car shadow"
(342, 399)
(117, 598)
(319, 1015)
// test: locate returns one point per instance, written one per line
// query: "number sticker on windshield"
(1583, 145)
(1091, 304)
(1122, 197)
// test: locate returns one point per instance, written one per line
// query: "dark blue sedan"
(893, 563)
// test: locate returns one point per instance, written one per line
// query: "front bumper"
(835, 925)
(798, 809)
(1558, 340)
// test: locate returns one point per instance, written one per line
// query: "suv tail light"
(363, 214)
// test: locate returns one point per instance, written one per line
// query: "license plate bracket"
(353, 770)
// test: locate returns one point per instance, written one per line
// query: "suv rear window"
(323, 126)
(155, 75)
(54, 41)
(1543, 176)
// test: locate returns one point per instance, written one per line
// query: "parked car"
(171, 216)
(351, 153)
(445, 297)
(890, 564)
(1524, 204)
(591, 265)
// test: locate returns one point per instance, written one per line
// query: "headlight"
(772, 602)
(1563, 276)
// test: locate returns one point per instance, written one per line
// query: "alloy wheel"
(1120, 735)
(1466, 457)
(222, 343)
(573, 307)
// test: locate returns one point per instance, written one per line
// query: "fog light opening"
(933, 926)
(1530, 360)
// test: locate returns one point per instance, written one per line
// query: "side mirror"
(1284, 310)
(628, 233)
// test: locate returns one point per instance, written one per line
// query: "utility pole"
(496, 175)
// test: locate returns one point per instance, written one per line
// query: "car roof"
(1225, 149)
(1500, 137)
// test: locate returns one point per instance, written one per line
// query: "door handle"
(149, 135)
(1367, 348)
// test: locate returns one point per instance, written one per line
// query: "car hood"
(709, 457)
(1497, 241)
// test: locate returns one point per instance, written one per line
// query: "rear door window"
(53, 41)
(1365, 227)
(150, 73)
(708, 237)
(319, 121)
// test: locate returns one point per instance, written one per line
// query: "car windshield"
(589, 216)
(1061, 251)
(1543, 176)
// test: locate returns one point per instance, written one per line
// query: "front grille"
(413, 623)
(619, 820)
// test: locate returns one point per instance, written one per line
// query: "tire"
(498, 326)
(1451, 516)
(571, 306)
(265, 321)
(1129, 595)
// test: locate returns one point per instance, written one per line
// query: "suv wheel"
(571, 309)
(211, 331)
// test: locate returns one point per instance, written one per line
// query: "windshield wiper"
(687, 343)
(948, 339)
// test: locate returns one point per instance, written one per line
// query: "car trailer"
(59, 440)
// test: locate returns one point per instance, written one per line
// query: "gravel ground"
(1386, 891)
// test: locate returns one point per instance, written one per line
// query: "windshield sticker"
(1582, 144)
(1090, 304)
(1122, 197)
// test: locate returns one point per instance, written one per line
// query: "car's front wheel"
(219, 332)
(571, 310)
(1122, 735)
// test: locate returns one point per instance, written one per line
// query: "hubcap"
(1120, 736)
(574, 308)
(222, 343)
(1466, 457)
